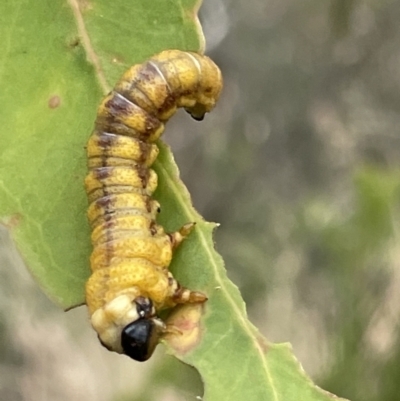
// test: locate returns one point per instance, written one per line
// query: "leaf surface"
(57, 61)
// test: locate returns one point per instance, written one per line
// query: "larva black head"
(140, 338)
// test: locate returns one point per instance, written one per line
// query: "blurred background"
(299, 164)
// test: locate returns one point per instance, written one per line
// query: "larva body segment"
(130, 281)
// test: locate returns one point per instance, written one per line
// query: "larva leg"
(182, 295)
(178, 236)
(185, 296)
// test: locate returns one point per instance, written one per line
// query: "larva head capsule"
(128, 326)
(140, 338)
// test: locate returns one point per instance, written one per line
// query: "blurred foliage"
(353, 255)
(170, 375)
(341, 12)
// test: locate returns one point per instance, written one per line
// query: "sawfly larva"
(130, 281)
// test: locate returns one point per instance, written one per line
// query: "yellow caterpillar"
(130, 280)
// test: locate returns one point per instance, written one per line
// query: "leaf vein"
(87, 45)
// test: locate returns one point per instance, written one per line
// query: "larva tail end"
(197, 113)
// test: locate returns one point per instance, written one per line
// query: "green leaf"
(57, 60)
(54, 56)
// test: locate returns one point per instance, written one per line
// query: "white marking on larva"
(127, 101)
(155, 66)
(197, 65)
(110, 320)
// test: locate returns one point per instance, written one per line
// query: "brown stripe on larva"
(104, 148)
(101, 173)
(105, 204)
(108, 124)
(146, 73)
(105, 145)
(168, 103)
(148, 204)
(153, 227)
(169, 100)
(149, 72)
(144, 173)
(108, 233)
(145, 149)
(119, 107)
(106, 140)
(136, 96)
